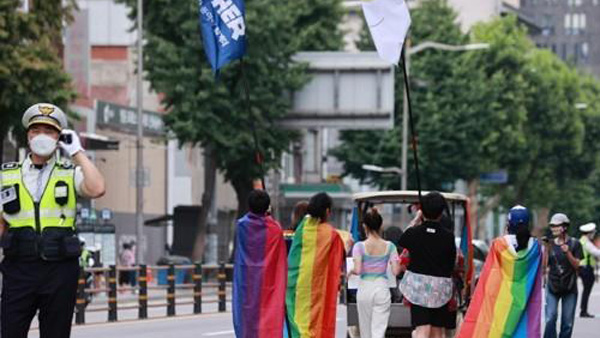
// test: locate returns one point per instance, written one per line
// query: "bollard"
(80, 314)
(171, 291)
(222, 295)
(342, 289)
(143, 292)
(197, 277)
(112, 294)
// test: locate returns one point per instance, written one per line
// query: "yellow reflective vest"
(588, 259)
(57, 206)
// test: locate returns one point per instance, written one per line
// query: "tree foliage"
(511, 107)
(31, 70)
(432, 21)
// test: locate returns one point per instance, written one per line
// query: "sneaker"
(586, 315)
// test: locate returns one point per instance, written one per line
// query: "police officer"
(41, 249)
(587, 266)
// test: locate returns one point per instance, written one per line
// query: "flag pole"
(411, 121)
(257, 153)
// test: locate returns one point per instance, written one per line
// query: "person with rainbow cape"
(259, 272)
(508, 298)
(314, 269)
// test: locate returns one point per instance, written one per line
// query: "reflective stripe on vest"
(588, 260)
(51, 214)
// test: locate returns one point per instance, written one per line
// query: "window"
(585, 50)
(575, 23)
(311, 151)
(547, 25)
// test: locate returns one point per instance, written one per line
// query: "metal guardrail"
(112, 289)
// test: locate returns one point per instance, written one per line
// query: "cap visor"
(46, 122)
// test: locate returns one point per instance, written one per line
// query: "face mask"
(42, 145)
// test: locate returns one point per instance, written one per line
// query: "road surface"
(219, 325)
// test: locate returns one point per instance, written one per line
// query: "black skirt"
(440, 317)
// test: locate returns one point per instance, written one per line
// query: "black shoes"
(586, 315)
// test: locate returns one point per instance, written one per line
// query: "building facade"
(570, 29)
(100, 55)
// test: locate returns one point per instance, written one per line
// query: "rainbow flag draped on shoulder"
(259, 278)
(315, 262)
(508, 297)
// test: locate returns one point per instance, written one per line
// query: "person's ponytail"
(523, 235)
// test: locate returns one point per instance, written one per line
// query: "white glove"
(74, 146)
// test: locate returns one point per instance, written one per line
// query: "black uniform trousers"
(29, 286)
(587, 277)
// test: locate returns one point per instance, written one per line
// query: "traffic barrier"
(81, 299)
(112, 294)
(197, 278)
(143, 292)
(105, 281)
(222, 277)
(171, 291)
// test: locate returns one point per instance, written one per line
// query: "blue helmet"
(516, 216)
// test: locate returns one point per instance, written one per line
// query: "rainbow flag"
(259, 278)
(508, 297)
(315, 263)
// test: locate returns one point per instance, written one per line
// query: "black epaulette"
(10, 166)
(66, 165)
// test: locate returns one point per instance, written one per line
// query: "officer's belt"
(53, 244)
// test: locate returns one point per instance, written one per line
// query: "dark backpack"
(566, 281)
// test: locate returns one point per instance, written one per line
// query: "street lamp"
(411, 51)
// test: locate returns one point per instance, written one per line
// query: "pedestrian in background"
(126, 260)
(259, 272)
(371, 260)
(314, 271)
(587, 266)
(298, 214)
(564, 254)
(427, 284)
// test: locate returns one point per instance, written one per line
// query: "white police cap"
(588, 227)
(45, 113)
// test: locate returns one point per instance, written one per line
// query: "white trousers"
(373, 300)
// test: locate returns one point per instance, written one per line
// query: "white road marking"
(219, 333)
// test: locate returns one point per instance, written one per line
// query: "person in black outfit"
(432, 255)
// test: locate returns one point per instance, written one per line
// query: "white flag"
(388, 22)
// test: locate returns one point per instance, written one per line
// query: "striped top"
(374, 267)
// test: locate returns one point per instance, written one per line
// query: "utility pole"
(405, 121)
(139, 171)
(404, 166)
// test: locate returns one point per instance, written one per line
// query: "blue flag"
(223, 24)
(354, 226)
